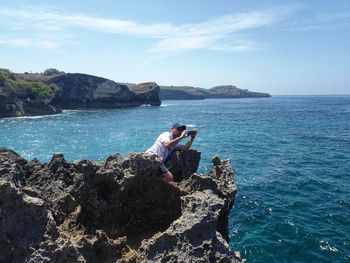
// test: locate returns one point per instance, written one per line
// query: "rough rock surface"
(86, 91)
(118, 210)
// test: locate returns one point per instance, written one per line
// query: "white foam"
(70, 111)
(324, 245)
(36, 117)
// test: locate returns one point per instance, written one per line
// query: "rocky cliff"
(87, 91)
(118, 210)
(146, 93)
(21, 102)
(51, 91)
(181, 93)
(229, 91)
(193, 93)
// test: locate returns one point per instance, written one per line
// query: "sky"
(280, 47)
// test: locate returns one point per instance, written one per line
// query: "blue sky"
(281, 47)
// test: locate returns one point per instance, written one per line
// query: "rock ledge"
(118, 210)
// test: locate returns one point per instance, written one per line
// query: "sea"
(290, 155)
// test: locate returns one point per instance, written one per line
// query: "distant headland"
(49, 92)
(193, 93)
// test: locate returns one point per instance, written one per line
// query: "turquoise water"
(291, 157)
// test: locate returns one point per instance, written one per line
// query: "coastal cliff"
(87, 91)
(181, 93)
(50, 92)
(194, 93)
(31, 94)
(19, 97)
(117, 210)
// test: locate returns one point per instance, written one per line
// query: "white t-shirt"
(159, 148)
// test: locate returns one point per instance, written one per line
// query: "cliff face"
(181, 93)
(118, 210)
(192, 93)
(21, 102)
(147, 93)
(51, 91)
(19, 97)
(229, 91)
(86, 91)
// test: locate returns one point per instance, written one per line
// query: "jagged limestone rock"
(118, 210)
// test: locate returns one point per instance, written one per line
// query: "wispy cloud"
(27, 42)
(238, 46)
(219, 33)
(51, 19)
(214, 34)
(319, 22)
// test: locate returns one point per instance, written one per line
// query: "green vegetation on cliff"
(9, 80)
(41, 89)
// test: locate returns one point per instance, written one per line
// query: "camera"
(191, 133)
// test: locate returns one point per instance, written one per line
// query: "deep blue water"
(291, 156)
